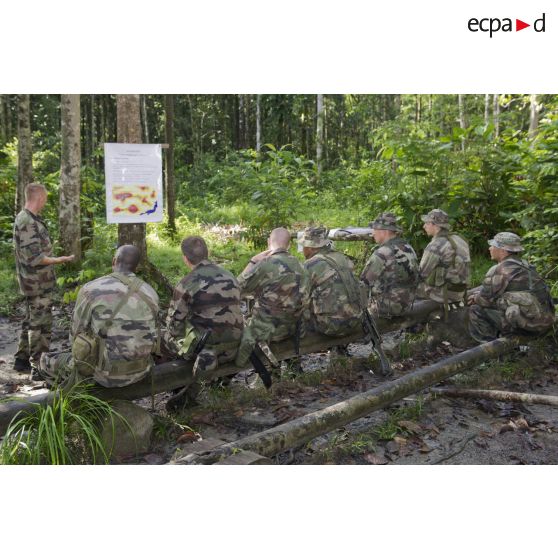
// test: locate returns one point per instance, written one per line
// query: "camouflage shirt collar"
(203, 262)
(33, 215)
(392, 240)
(279, 251)
(442, 232)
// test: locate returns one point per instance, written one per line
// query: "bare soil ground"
(423, 429)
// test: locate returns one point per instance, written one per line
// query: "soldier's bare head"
(194, 250)
(35, 197)
(126, 259)
(279, 238)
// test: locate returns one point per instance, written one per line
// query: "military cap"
(507, 241)
(314, 237)
(437, 217)
(386, 222)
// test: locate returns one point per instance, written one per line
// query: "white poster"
(134, 182)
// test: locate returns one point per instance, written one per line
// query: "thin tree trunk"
(169, 156)
(128, 130)
(144, 119)
(486, 108)
(258, 124)
(92, 131)
(70, 186)
(497, 395)
(496, 114)
(319, 132)
(3, 119)
(24, 150)
(462, 123)
(533, 116)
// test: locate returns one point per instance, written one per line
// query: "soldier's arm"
(248, 280)
(428, 263)
(30, 249)
(493, 286)
(179, 311)
(372, 272)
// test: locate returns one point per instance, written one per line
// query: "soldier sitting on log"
(513, 297)
(276, 279)
(445, 264)
(391, 273)
(335, 298)
(205, 304)
(114, 330)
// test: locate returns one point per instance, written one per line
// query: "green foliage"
(66, 432)
(391, 427)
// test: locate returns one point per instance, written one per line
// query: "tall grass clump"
(68, 431)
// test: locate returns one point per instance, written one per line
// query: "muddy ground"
(422, 429)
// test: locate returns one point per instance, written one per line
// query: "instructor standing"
(35, 275)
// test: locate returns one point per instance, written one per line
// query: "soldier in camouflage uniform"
(391, 273)
(276, 280)
(35, 274)
(335, 298)
(513, 297)
(114, 329)
(445, 264)
(207, 299)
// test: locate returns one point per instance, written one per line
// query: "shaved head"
(34, 191)
(279, 238)
(127, 258)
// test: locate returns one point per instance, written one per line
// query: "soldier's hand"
(472, 299)
(64, 259)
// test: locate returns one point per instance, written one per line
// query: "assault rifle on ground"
(371, 329)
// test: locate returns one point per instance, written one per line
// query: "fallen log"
(497, 395)
(301, 430)
(177, 374)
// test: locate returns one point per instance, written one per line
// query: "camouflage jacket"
(392, 275)
(32, 244)
(277, 284)
(445, 268)
(334, 293)
(208, 298)
(131, 335)
(513, 275)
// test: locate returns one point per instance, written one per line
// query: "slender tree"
(533, 116)
(70, 181)
(486, 109)
(320, 132)
(462, 123)
(24, 150)
(169, 156)
(496, 114)
(258, 123)
(128, 130)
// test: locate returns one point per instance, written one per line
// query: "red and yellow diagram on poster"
(134, 200)
(134, 182)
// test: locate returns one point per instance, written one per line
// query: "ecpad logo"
(493, 25)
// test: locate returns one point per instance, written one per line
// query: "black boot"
(22, 365)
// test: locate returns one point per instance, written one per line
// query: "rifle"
(372, 331)
(200, 344)
(261, 369)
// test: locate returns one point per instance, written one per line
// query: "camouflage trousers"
(36, 328)
(57, 369)
(210, 358)
(485, 324)
(386, 308)
(437, 294)
(262, 328)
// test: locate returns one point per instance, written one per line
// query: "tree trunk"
(144, 119)
(258, 124)
(3, 119)
(497, 395)
(486, 109)
(533, 116)
(169, 159)
(304, 429)
(24, 150)
(128, 130)
(92, 132)
(70, 182)
(462, 123)
(320, 132)
(496, 114)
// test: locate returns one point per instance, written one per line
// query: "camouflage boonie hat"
(437, 217)
(507, 241)
(386, 222)
(314, 237)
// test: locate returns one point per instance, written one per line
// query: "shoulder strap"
(129, 282)
(350, 291)
(133, 285)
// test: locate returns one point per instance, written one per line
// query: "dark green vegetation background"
(403, 153)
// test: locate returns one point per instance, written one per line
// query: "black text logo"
(493, 25)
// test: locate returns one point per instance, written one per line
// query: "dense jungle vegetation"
(259, 161)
